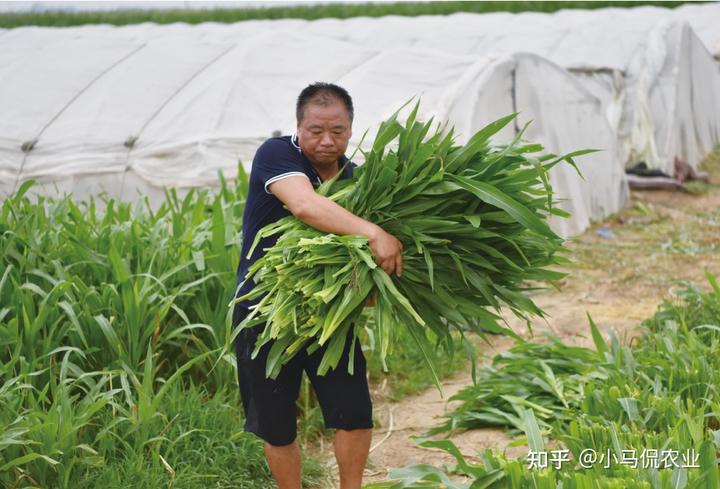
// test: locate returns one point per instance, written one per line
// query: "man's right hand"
(387, 250)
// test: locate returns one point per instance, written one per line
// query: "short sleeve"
(276, 159)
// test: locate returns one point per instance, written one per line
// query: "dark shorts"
(269, 404)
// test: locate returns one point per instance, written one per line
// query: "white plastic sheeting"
(563, 115)
(471, 93)
(146, 114)
(130, 109)
(635, 59)
(672, 109)
(703, 18)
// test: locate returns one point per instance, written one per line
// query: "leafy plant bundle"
(473, 222)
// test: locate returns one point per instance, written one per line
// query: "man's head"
(324, 122)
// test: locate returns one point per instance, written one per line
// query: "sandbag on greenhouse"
(473, 223)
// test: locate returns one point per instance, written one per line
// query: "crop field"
(115, 360)
(503, 357)
(310, 12)
(107, 324)
(117, 367)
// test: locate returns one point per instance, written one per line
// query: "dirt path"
(662, 239)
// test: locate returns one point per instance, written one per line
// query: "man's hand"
(387, 250)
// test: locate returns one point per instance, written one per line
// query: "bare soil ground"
(661, 240)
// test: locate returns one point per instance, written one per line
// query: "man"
(284, 172)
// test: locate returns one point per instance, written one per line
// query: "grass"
(108, 322)
(711, 163)
(656, 392)
(336, 10)
(404, 376)
(201, 442)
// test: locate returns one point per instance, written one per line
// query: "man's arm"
(317, 211)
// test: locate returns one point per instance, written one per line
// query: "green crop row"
(112, 317)
(310, 12)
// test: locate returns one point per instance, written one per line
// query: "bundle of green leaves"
(473, 222)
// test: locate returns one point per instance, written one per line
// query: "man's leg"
(351, 452)
(269, 405)
(285, 465)
(346, 406)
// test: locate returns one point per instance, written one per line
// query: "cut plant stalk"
(473, 222)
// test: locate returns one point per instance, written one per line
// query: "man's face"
(324, 133)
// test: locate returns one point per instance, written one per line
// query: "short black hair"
(323, 94)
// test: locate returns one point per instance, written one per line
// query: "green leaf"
(495, 197)
(600, 345)
(531, 429)
(24, 187)
(22, 460)
(709, 465)
(477, 142)
(120, 268)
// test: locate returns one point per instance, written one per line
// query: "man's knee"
(286, 447)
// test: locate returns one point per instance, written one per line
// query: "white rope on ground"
(389, 432)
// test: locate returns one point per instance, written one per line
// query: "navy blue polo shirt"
(277, 158)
